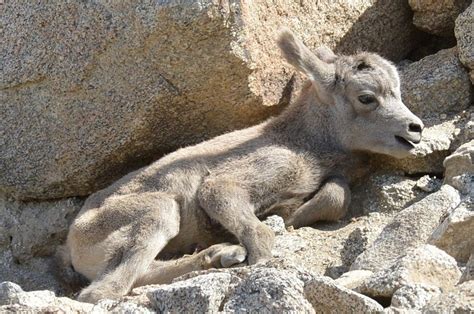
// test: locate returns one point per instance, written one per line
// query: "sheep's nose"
(415, 127)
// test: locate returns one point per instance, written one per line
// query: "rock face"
(437, 17)
(464, 32)
(409, 228)
(107, 87)
(436, 84)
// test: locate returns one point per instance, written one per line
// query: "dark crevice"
(383, 301)
(430, 44)
(418, 175)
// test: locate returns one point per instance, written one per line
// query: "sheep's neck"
(307, 124)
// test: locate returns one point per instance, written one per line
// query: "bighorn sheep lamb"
(210, 195)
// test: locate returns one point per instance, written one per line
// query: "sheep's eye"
(366, 99)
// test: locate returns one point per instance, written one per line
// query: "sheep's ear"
(325, 54)
(299, 56)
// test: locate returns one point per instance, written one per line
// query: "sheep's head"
(363, 92)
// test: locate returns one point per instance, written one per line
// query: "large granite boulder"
(436, 84)
(90, 90)
(437, 16)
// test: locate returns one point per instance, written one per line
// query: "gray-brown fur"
(298, 165)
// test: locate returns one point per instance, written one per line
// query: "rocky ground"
(408, 243)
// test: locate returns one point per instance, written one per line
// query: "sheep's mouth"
(404, 142)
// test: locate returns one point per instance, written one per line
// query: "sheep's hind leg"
(153, 220)
(329, 204)
(228, 203)
(216, 256)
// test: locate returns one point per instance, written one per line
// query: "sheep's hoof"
(224, 255)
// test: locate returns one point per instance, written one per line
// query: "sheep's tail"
(71, 281)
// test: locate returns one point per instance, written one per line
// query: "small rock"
(414, 297)
(276, 223)
(426, 265)
(202, 294)
(410, 228)
(353, 278)
(8, 290)
(428, 184)
(14, 300)
(458, 300)
(328, 297)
